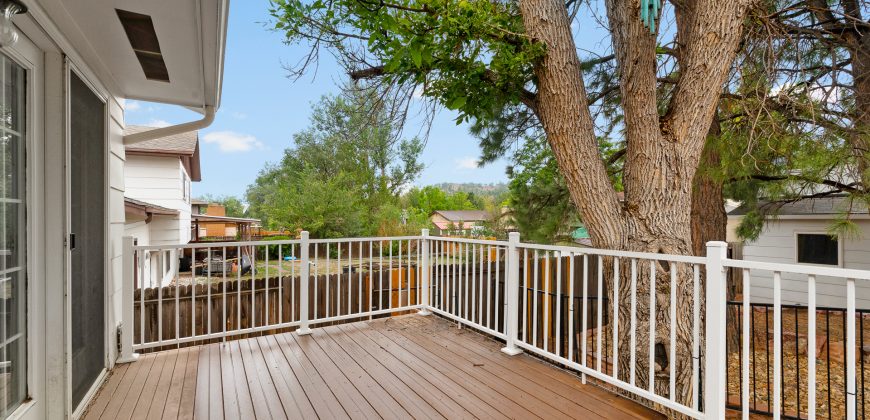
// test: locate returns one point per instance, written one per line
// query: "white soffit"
(192, 37)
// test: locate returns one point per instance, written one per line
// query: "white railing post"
(305, 271)
(127, 279)
(714, 365)
(512, 306)
(424, 275)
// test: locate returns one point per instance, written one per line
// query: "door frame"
(70, 68)
(26, 54)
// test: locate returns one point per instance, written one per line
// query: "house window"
(817, 248)
(185, 186)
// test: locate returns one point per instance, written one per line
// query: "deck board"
(402, 367)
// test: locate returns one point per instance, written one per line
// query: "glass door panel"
(13, 261)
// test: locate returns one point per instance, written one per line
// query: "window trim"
(840, 249)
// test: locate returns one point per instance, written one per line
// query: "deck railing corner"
(511, 315)
(129, 269)
(305, 269)
(715, 386)
(425, 277)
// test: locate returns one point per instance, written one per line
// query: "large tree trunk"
(709, 219)
(661, 158)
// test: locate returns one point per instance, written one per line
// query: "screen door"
(86, 242)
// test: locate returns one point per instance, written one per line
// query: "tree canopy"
(342, 175)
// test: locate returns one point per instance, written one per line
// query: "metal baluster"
(571, 315)
(253, 287)
(633, 324)
(585, 310)
(223, 291)
(850, 349)
(559, 305)
(599, 308)
(652, 327)
(489, 288)
(696, 333)
(672, 360)
(615, 321)
(777, 344)
(747, 334)
(536, 296)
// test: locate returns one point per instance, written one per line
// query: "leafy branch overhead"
(471, 56)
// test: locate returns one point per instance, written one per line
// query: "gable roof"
(820, 206)
(146, 207)
(180, 144)
(184, 145)
(463, 215)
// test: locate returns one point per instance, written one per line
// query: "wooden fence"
(230, 305)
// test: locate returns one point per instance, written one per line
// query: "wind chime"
(649, 12)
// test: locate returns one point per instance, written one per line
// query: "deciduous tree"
(478, 57)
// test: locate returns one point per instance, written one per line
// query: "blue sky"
(261, 109)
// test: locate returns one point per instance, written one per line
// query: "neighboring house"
(65, 84)
(198, 206)
(159, 172)
(459, 221)
(798, 233)
(211, 221)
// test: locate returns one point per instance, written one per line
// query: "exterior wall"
(777, 244)
(117, 219)
(158, 180)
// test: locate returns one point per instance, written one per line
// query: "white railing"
(235, 288)
(589, 310)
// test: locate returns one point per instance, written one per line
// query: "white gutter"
(173, 130)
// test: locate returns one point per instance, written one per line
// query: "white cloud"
(158, 123)
(467, 162)
(229, 141)
(132, 106)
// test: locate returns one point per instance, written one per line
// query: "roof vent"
(143, 39)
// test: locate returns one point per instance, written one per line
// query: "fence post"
(512, 306)
(714, 365)
(424, 275)
(304, 279)
(127, 279)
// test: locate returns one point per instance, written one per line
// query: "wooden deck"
(410, 366)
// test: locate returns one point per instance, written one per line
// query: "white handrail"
(510, 290)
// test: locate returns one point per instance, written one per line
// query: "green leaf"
(417, 55)
(458, 102)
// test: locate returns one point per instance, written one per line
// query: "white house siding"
(777, 244)
(116, 216)
(158, 180)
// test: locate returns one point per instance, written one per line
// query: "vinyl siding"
(159, 180)
(777, 244)
(116, 218)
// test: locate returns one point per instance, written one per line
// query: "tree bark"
(709, 219)
(662, 153)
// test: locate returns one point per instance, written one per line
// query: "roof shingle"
(181, 144)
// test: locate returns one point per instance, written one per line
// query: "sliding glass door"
(13, 250)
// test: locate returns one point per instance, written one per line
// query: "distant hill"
(473, 187)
